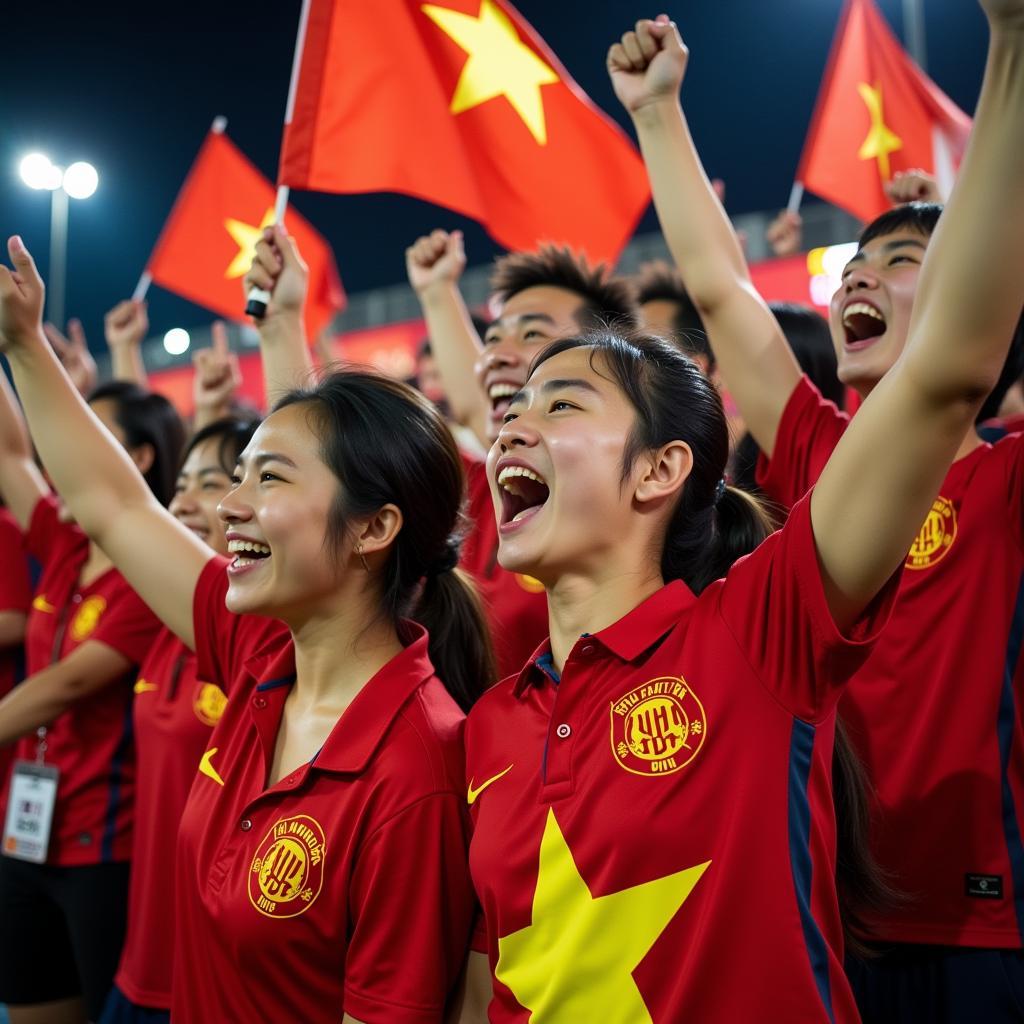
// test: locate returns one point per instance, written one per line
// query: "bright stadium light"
(177, 341)
(38, 172)
(80, 180)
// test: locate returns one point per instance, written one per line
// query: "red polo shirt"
(91, 743)
(15, 596)
(654, 836)
(935, 712)
(344, 887)
(516, 605)
(174, 714)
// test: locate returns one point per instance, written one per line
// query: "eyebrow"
(896, 243)
(558, 384)
(522, 318)
(259, 461)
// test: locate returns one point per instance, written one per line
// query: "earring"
(362, 557)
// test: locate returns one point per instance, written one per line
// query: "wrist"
(656, 112)
(438, 292)
(281, 321)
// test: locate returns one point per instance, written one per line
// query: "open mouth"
(863, 324)
(500, 396)
(523, 493)
(247, 553)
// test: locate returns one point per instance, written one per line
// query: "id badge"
(30, 806)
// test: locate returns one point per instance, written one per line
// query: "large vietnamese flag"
(460, 103)
(877, 113)
(207, 244)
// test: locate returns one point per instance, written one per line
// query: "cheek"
(589, 473)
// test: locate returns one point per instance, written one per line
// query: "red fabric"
(732, 772)
(373, 113)
(914, 109)
(15, 596)
(374, 919)
(91, 743)
(174, 714)
(196, 249)
(516, 605)
(935, 711)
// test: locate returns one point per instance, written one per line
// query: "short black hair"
(233, 434)
(607, 299)
(1013, 370)
(809, 337)
(920, 218)
(657, 281)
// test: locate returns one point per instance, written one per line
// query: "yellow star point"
(881, 140)
(575, 961)
(246, 236)
(499, 64)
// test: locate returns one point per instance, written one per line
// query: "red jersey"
(516, 605)
(15, 596)
(92, 742)
(654, 835)
(174, 713)
(342, 888)
(935, 711)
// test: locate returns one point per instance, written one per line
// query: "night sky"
(133, 89)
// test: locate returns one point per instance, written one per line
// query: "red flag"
(877, 113)
(206, 245)
(460, 103)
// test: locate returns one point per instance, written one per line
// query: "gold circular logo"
(208, 703)
(287, 872)
(935, 538)
(87, 617)
(657, 728)
(529, 584)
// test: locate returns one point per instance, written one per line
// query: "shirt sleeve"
(47, 537)
(1014, 448)
(808, 433)
(774, 605)
(127, 625)
(224, 640)
(409, 943)
(15, 585)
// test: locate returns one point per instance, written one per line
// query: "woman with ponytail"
(321, 870)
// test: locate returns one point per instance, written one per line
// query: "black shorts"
(61, 931)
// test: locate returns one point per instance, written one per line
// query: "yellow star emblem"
(576, 960)
(246, 237)
(499, 64)
(881, 140)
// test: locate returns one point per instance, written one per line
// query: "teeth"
(510, 472)
(238, 546)
(861, 307)
(519, 515)
(502, 391)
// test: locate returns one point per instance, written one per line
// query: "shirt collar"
(629, 637)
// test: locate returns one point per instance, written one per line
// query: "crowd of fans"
(556, 689)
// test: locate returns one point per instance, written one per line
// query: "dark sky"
(133, 89)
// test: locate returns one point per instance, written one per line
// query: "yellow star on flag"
(246, 237)
(881, 140)
(499, 64)
(575, 961)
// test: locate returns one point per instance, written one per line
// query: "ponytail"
(460, 649)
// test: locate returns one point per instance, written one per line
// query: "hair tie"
(447, 562)
(719, 490)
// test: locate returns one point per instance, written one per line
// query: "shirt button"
(587, 649)
(245, 825)
(259, 702)
(563, 731)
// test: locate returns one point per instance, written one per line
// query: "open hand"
(73, 352)
(21, 296)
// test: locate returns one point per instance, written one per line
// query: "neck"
(579, 604)
(337, 654)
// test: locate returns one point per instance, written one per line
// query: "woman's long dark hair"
(387, 444)
(712, 526)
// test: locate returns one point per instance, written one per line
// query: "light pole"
(79, 181)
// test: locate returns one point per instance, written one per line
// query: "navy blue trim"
(1007, 718)
(801, 749)
(273, 684)
(547, 665)
(121, 754)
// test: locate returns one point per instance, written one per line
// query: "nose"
(860, 277)
(517, 433)
(233, 508)
(498, 355)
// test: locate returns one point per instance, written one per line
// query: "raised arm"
(879, 484)
(216, 377)
(125, 328)
(434, 264)
(101, 486)
(756, 364)
(21, 483)
(277, 268)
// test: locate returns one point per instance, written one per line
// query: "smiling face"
(870, 313)
(200, 486)
(276, 521)
(529, 320)
(556, 472)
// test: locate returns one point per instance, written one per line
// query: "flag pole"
(796, 195)
(258, 298)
